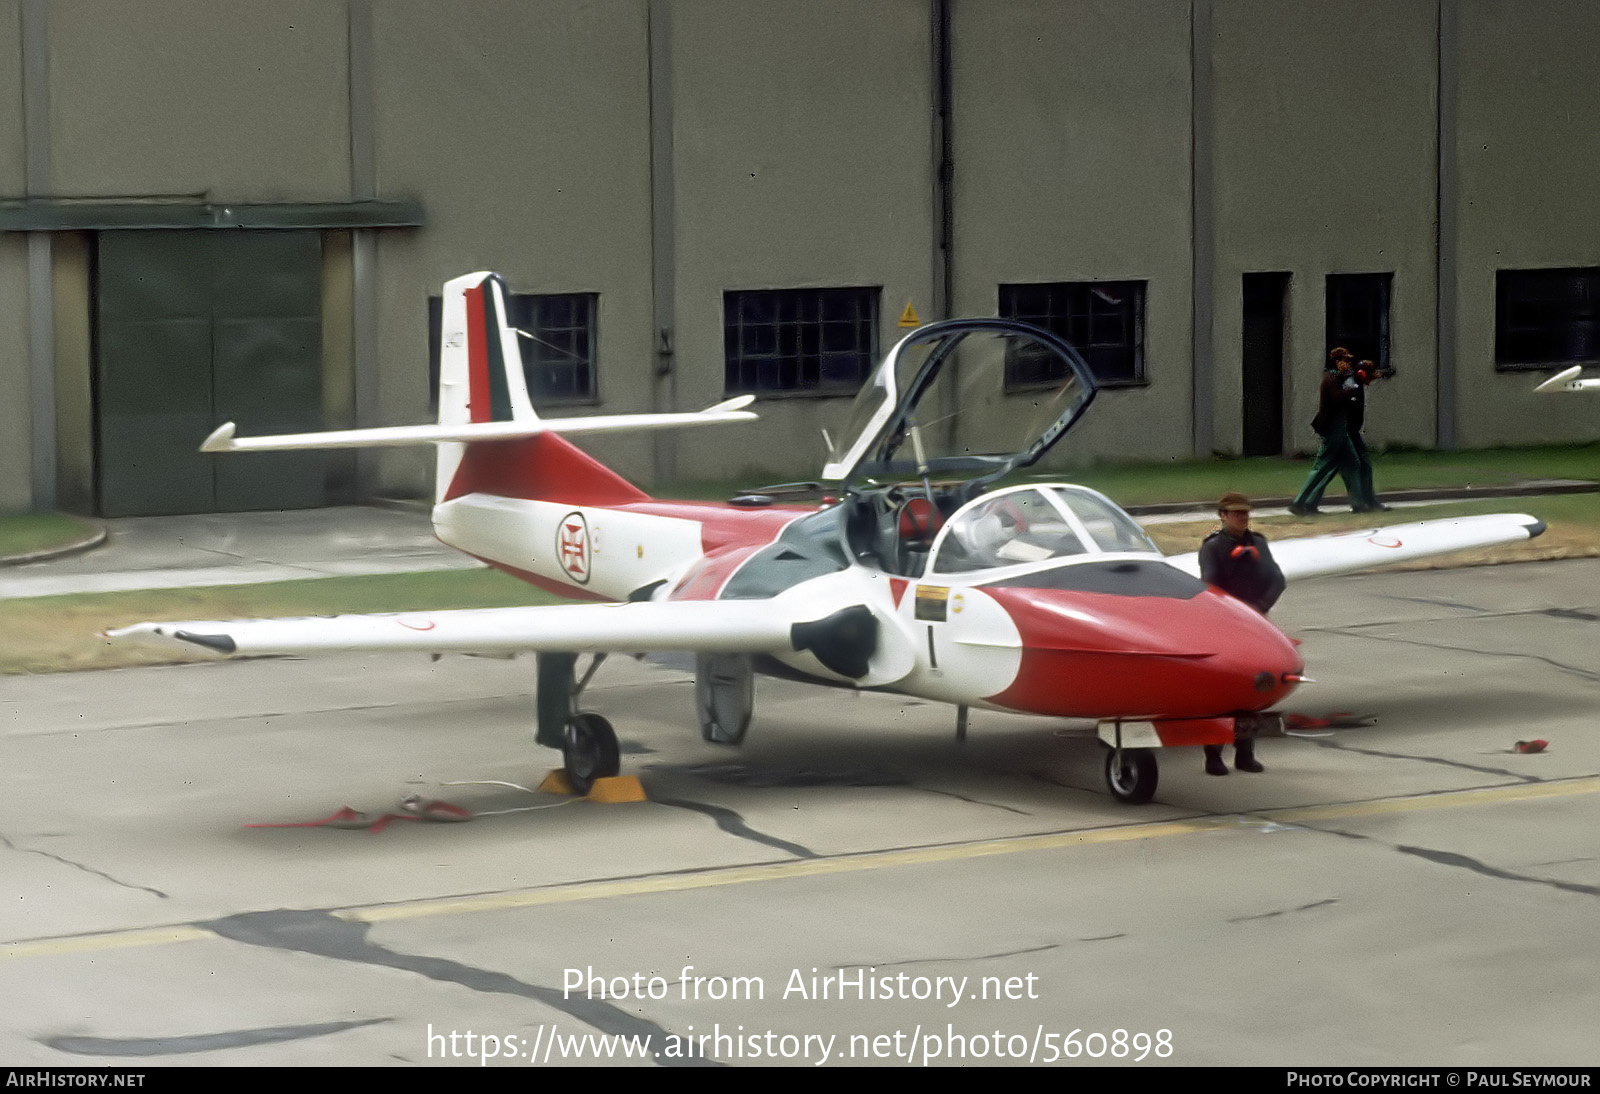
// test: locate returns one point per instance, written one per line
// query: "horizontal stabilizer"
(223, 439)
(1346, 552)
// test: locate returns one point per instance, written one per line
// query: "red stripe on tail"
(542, 467)
(479, 404)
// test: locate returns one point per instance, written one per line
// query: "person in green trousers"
(1341, 413)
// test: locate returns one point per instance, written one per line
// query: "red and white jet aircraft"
(916, 576)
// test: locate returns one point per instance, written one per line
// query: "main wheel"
(589, 749)
(1131, 774)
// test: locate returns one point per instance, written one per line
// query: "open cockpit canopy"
(964, 398)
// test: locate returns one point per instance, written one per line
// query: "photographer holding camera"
(1341, 413)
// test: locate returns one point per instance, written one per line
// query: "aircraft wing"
(710, 626)
(1345, 552)
(845, 635)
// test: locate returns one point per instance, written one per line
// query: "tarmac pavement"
(286, 545)
(240, 549)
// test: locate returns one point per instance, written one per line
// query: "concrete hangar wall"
(1203, 191)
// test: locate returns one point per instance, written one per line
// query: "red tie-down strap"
(1245, 549)
(412, 808)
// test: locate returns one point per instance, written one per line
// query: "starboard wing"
(1346, 552)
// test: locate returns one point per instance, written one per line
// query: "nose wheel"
(589, 751)
(1131, 774)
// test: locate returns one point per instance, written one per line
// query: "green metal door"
(195, 329)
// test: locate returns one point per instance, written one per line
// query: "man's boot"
(1244, 757)
(1214, 764)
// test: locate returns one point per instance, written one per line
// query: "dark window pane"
(1546, 317)
(1358, 316)
(1103, 320)
(557, 340)
(798, 341)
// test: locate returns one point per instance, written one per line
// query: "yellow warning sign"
(908, 318)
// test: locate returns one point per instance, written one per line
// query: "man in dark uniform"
(1341, 413)
(1238, 561)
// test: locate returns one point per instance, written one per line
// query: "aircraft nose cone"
(1146, 657)
(1257, 667)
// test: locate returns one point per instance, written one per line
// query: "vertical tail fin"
(477, 346)
(481, 380)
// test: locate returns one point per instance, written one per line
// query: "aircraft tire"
(1131, 775)
(589, 750)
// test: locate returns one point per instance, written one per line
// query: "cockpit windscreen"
(1034, 525)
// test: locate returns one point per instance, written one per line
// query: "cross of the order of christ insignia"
(572, 545)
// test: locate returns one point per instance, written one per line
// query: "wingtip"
(1535, 528)
(221, 439)
(1559, 380)
(738, 402)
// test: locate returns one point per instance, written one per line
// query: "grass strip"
(62, 633)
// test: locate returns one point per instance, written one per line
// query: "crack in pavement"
(1459, 861)
(947, 960)
(5, 839)
(199, 1042)
(1466, 862)
(1584, 674)
(1570, 613)
(732, 823)
(1284, 911)
(323, 934)
(973, 801)
(1440, 760)
(1439, 603)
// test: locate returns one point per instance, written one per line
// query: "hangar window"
(558, 336)
(557, 340)
(1102, 320)
(1546, 317)
(799, 341)
(1358, 316)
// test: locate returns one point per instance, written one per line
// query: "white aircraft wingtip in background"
(1567, 380)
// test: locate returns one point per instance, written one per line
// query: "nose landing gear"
(1131, 774)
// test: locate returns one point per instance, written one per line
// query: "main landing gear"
(724, 696)
(587, 742)
(589, 750)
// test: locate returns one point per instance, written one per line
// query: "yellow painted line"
(803, 868)
(110, 940)
(1448, 800)
(743, 875)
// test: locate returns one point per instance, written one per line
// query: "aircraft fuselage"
(1106, 637)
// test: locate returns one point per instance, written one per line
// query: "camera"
(1366, 372)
